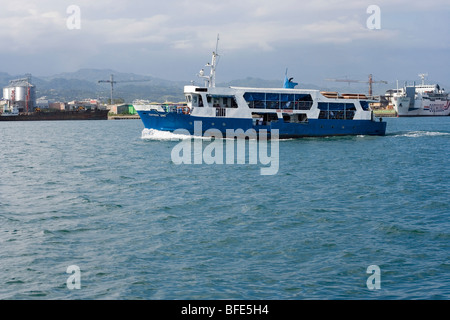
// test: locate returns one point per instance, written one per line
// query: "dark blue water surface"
(106, 196)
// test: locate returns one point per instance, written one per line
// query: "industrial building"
(83, 104)
(20, 94)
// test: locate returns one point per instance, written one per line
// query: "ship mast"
(210, 81)
(422, 76)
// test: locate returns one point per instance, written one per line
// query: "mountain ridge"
(84, 84)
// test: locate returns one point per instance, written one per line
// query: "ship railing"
(176, 109)
(169, 108)
(221, 112)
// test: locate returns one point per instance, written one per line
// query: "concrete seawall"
(123, 117)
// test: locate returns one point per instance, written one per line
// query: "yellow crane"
(112, 82)
(370, 82)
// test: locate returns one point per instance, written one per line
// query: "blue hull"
(313, 128)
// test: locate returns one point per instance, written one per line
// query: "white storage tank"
(22, 93)
(7, 93)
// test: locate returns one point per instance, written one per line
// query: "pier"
(123, 117)
(385, 113)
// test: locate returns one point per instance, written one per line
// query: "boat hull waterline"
(169, 121)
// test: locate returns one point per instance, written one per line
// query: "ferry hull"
(436, 109)
(312, 128)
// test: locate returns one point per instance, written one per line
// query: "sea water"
(105, 199)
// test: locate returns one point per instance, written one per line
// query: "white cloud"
(126, 31)
(31, 32)
(194, 23)
(174, 27)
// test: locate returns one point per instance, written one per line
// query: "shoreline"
(385, 113)
(124, 117)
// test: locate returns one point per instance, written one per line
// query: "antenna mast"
(210, 81)
(422, 76)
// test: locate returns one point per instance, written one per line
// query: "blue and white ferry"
(293, 112)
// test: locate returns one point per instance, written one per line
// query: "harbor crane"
(370, 82)
(112, 82)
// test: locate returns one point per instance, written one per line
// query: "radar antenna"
(210, 81)
(422, 76)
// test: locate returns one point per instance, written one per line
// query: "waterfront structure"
(20, 94)
(19, 104)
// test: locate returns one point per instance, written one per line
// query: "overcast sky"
(173, 39)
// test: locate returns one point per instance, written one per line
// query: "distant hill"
(83, 84)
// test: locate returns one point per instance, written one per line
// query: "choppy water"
(105, 196)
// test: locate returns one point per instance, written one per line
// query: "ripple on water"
(141, 227)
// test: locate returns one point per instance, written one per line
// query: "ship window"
(216, 102)
(194, 99)
(255, 99)
(303, 102)
(322, 106)
(336, 106)
(272, 97)
(331, 106)
(273, 104)
(286, 97)
(278, 101)
(264, 118)
(287, 101)
(302, 117)
(336, 111)
(254, 96)
(222, 101)
(295, 118)
(273, 100)
(323, 114)
(303, 97)
(234, 103)
(365, 105)
(268, 117)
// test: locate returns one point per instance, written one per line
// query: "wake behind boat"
(293, 112)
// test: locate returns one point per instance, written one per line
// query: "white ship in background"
(420, 100)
